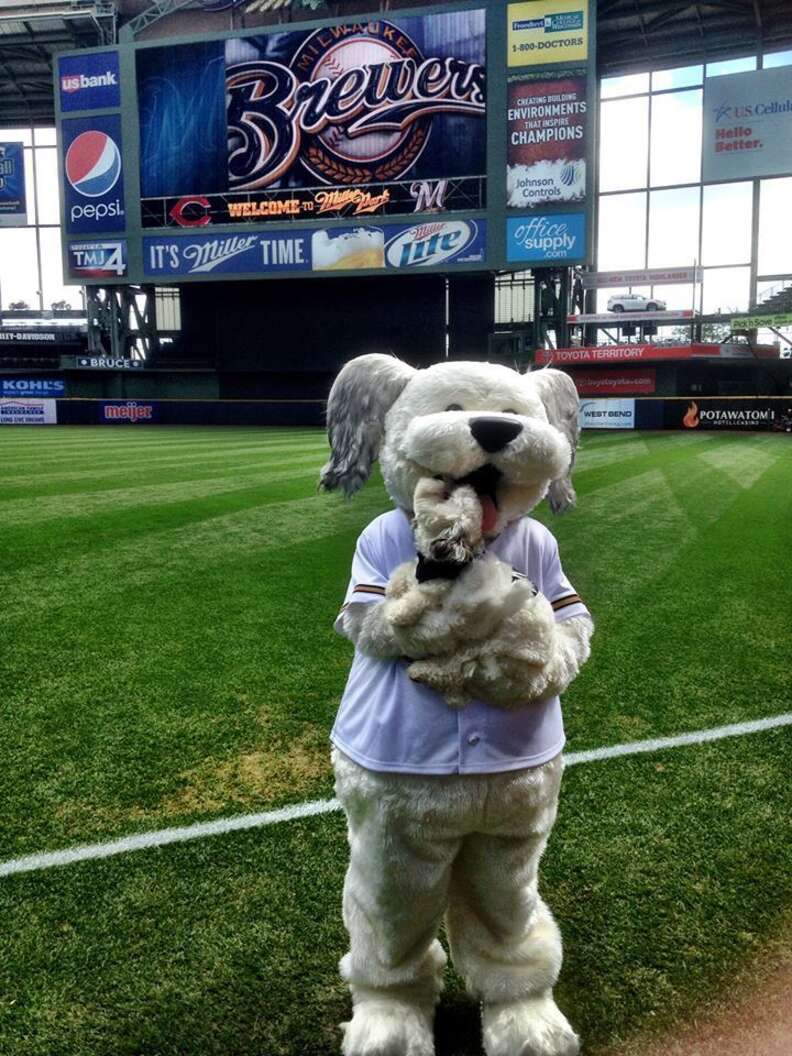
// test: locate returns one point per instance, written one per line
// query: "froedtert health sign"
(377, 145)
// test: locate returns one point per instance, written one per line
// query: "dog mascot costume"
(447, 745)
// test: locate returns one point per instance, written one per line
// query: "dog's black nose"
(493, 434)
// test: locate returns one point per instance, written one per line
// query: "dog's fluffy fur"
(479, 634)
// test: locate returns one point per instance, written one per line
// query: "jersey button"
(474, 738)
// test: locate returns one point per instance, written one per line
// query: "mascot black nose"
(493, 434)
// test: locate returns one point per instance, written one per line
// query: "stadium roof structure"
(30, 33)
(632, 35)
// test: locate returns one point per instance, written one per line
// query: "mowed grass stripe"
(76, 503)
(125, 458)
(708, 634)
(102, 563)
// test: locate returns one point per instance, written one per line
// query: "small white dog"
(457, 598)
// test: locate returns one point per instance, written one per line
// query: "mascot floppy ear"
(361, 396)
(557, 392)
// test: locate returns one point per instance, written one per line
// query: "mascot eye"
(509, 410)
(454, 407)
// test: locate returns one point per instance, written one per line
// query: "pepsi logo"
(93, 164)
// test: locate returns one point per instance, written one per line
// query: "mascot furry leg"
(412, 860)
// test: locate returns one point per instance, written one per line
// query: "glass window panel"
(630, 84)
(676, 296)
(726, 290)
(673, 227)
(624, 140)
(44, 137)
(775, 226)
(16, 135)
(30, 197)
(777, 58)
(676, 138)
(717, 69)
(726, 228)
(622, 231)
(681, 77)
(18, 267)
(47, 175)
(52, 271)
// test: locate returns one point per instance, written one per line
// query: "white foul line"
(33, 862)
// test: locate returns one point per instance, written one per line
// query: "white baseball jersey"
(388, 722)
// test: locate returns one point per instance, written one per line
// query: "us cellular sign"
(748, 124)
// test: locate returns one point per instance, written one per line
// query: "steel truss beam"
(120, 326)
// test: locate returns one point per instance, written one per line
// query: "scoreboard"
(455, 138)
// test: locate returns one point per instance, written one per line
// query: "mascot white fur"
(447, 744)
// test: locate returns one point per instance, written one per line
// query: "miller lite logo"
(355, 105)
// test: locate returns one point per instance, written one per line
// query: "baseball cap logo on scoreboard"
(93, 164)
(74, 82)
(355, 103)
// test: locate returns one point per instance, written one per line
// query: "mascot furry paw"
(447, 744)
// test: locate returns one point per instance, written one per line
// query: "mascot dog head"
(511, 436)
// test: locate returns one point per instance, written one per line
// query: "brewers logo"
(355, 105)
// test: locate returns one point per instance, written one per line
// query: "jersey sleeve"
(369, 574)
(563, 597)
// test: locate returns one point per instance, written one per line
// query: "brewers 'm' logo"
(355, 105)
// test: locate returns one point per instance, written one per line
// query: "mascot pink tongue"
(489, 514)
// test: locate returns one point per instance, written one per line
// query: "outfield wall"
(741, 413)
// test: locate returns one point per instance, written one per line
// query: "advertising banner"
(97, 260)
(607, 414)
(89, 81)
(545, 31)
(630, 353)
(200, 254)
(748, 124)
(10, 387)
(746, 414)
(13, 203)
(546, 151)
(612, 382)
(547, 238)
(93, 177)
(643, 277)
(128, 412)
(256, 207)
(375, 105)
(756, 322)
(24, 411)
(399, 246)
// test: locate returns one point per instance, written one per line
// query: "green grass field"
(166, 656)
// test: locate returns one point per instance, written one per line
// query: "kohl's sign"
(10, 387)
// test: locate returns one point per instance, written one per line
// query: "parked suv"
(634, 302)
